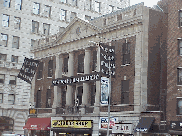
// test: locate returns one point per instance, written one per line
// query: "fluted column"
(86, 71)
(57, 90)
(97, 95)
(69, 99)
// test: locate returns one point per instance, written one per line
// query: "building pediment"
(77, 29)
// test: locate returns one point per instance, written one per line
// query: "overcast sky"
(148, 3)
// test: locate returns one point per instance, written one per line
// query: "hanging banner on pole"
(28, 70)
(104, 90)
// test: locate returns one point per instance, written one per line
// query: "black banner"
(107, 53)
(28, 70)
(77, 79)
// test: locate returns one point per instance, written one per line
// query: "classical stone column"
(57, 90)
(97, 95)
(86, 71)
(69, 99)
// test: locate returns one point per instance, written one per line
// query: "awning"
(38, 124)
(144, 124)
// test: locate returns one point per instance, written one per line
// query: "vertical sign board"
(104, 90)
(107, 53)
(104, 122)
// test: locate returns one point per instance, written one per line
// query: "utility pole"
(109, 98)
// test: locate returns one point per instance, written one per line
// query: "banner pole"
(109, 98)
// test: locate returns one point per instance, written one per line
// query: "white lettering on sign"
(33, 125)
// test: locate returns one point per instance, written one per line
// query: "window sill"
(49, 77)
(40, 79)
(80, 73)
(179, 115)
(179, 85)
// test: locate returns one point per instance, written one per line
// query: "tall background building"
(21, 23)
(173, 9)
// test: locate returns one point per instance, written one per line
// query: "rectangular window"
(40, 70)
(66, 64)
(81, 63)
(93, 92)
(80, 93)
(48, 98)
(111, 8)
(14, 59)
(87, 17)
(125, 92)
(33, 42)
(64, 1)
(63, 15)
(50, 68)
(35, 26)
(5, 20)
(46, 29)
(180, 18)
(38, 99)
(97, 6)
(36, 8)
(3, 57)
(4, 40)
(18, 4)
(179, 76)
(74, 2)
(126, 53)
(2, 78)
(17, 21)
(15, 43)
(63, 98)
(11, 99)
(12, 80)
(6, 3)
(179, 106)
(1, 97)
(94, 67)
(180, 47)
(73, 15)
(47, 11)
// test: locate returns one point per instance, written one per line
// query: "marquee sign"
(77, 79)
(71, 123)
(28, 70)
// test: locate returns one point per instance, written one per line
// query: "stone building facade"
(21, 23)
(137, 33)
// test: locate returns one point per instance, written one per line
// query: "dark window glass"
(125, 92)
(179, 76)
(81, 63)
(38, 101)
(66, 64)
(48, 98)
(63, 98)
(126, 53)
(179, 106)
(40, 70)
(180, 18)
(94, 60)
(50, 68)
(180, 47)
(93, 91)
(80, 93)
